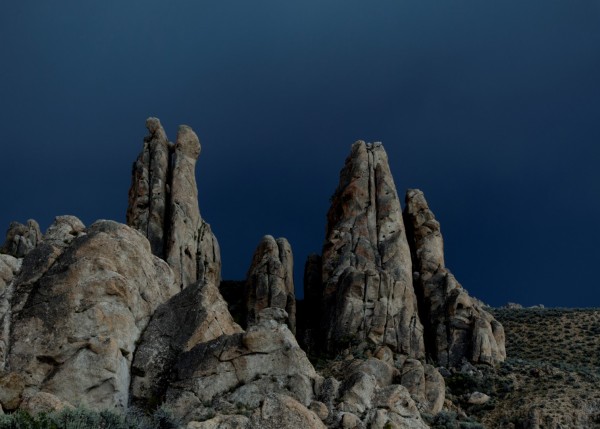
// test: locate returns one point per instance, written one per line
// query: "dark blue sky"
(491, 108)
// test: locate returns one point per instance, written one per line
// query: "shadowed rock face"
(270, 281)
(163, 205)
(21, 239)
(148, 195)
(367, 275)
(195, 315)
(456, 326)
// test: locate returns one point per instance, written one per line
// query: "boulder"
(456, 325)
(284, 412)
(195, 315)
(21, 239)
(78, 310)
(270, 280)
(366, 263)
(243, 369)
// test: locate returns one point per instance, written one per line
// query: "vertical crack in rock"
(270, 281)
(163, 205)
(456, 325)
(366, 264)
(149, 187)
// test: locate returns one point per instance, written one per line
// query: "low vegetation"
(81, 418)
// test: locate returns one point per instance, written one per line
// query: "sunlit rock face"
(366, 264)
(456, 325)
(79, 305)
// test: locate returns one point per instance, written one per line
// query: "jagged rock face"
(367, 275)
(80, 305)
(21, 239)
(148, 195)
(163, 205)
(9, 268)
(270, 281)
(240, 370)
(456, 325)
(197, 314)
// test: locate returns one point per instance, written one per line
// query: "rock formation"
(270, 281)
(150, 182)
(456, 326)
(78, 310)
(113, 315)
(239, 371)
(21, 239)
(195, 315)
(367, 276)
(163, 205)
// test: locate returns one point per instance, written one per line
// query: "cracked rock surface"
(241, 370)
(366, 264)
(77, 313)
(270, 281)
(163, 205)
(456, 325)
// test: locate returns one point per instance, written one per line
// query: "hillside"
(550, 377)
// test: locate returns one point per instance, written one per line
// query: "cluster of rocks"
(114, 315)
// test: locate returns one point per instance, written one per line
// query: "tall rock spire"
(163, 205)
(456, 325)
(367, 274)
(149, 187)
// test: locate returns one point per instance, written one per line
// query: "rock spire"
(163, 205)
(270, 281)
(456, 325)
(366, 264)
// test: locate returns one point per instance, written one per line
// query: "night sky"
(491, 108)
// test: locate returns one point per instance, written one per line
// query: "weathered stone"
(284, 412)
(478, 398)
(394, 408)
(163, 206)
(9, 268)
(42, 402)
(195, 315)
(367, 275)
(21, 239)
(12, 385)
(63, 230)
(320, 409)
(148, 194)
(74, 335)
(184, 214)
(222, 422)
(270, 281)
(350, 421)
(425, 385)
(267, 356)
(435, 390)
(456, 325)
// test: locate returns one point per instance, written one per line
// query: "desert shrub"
(82, 418)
